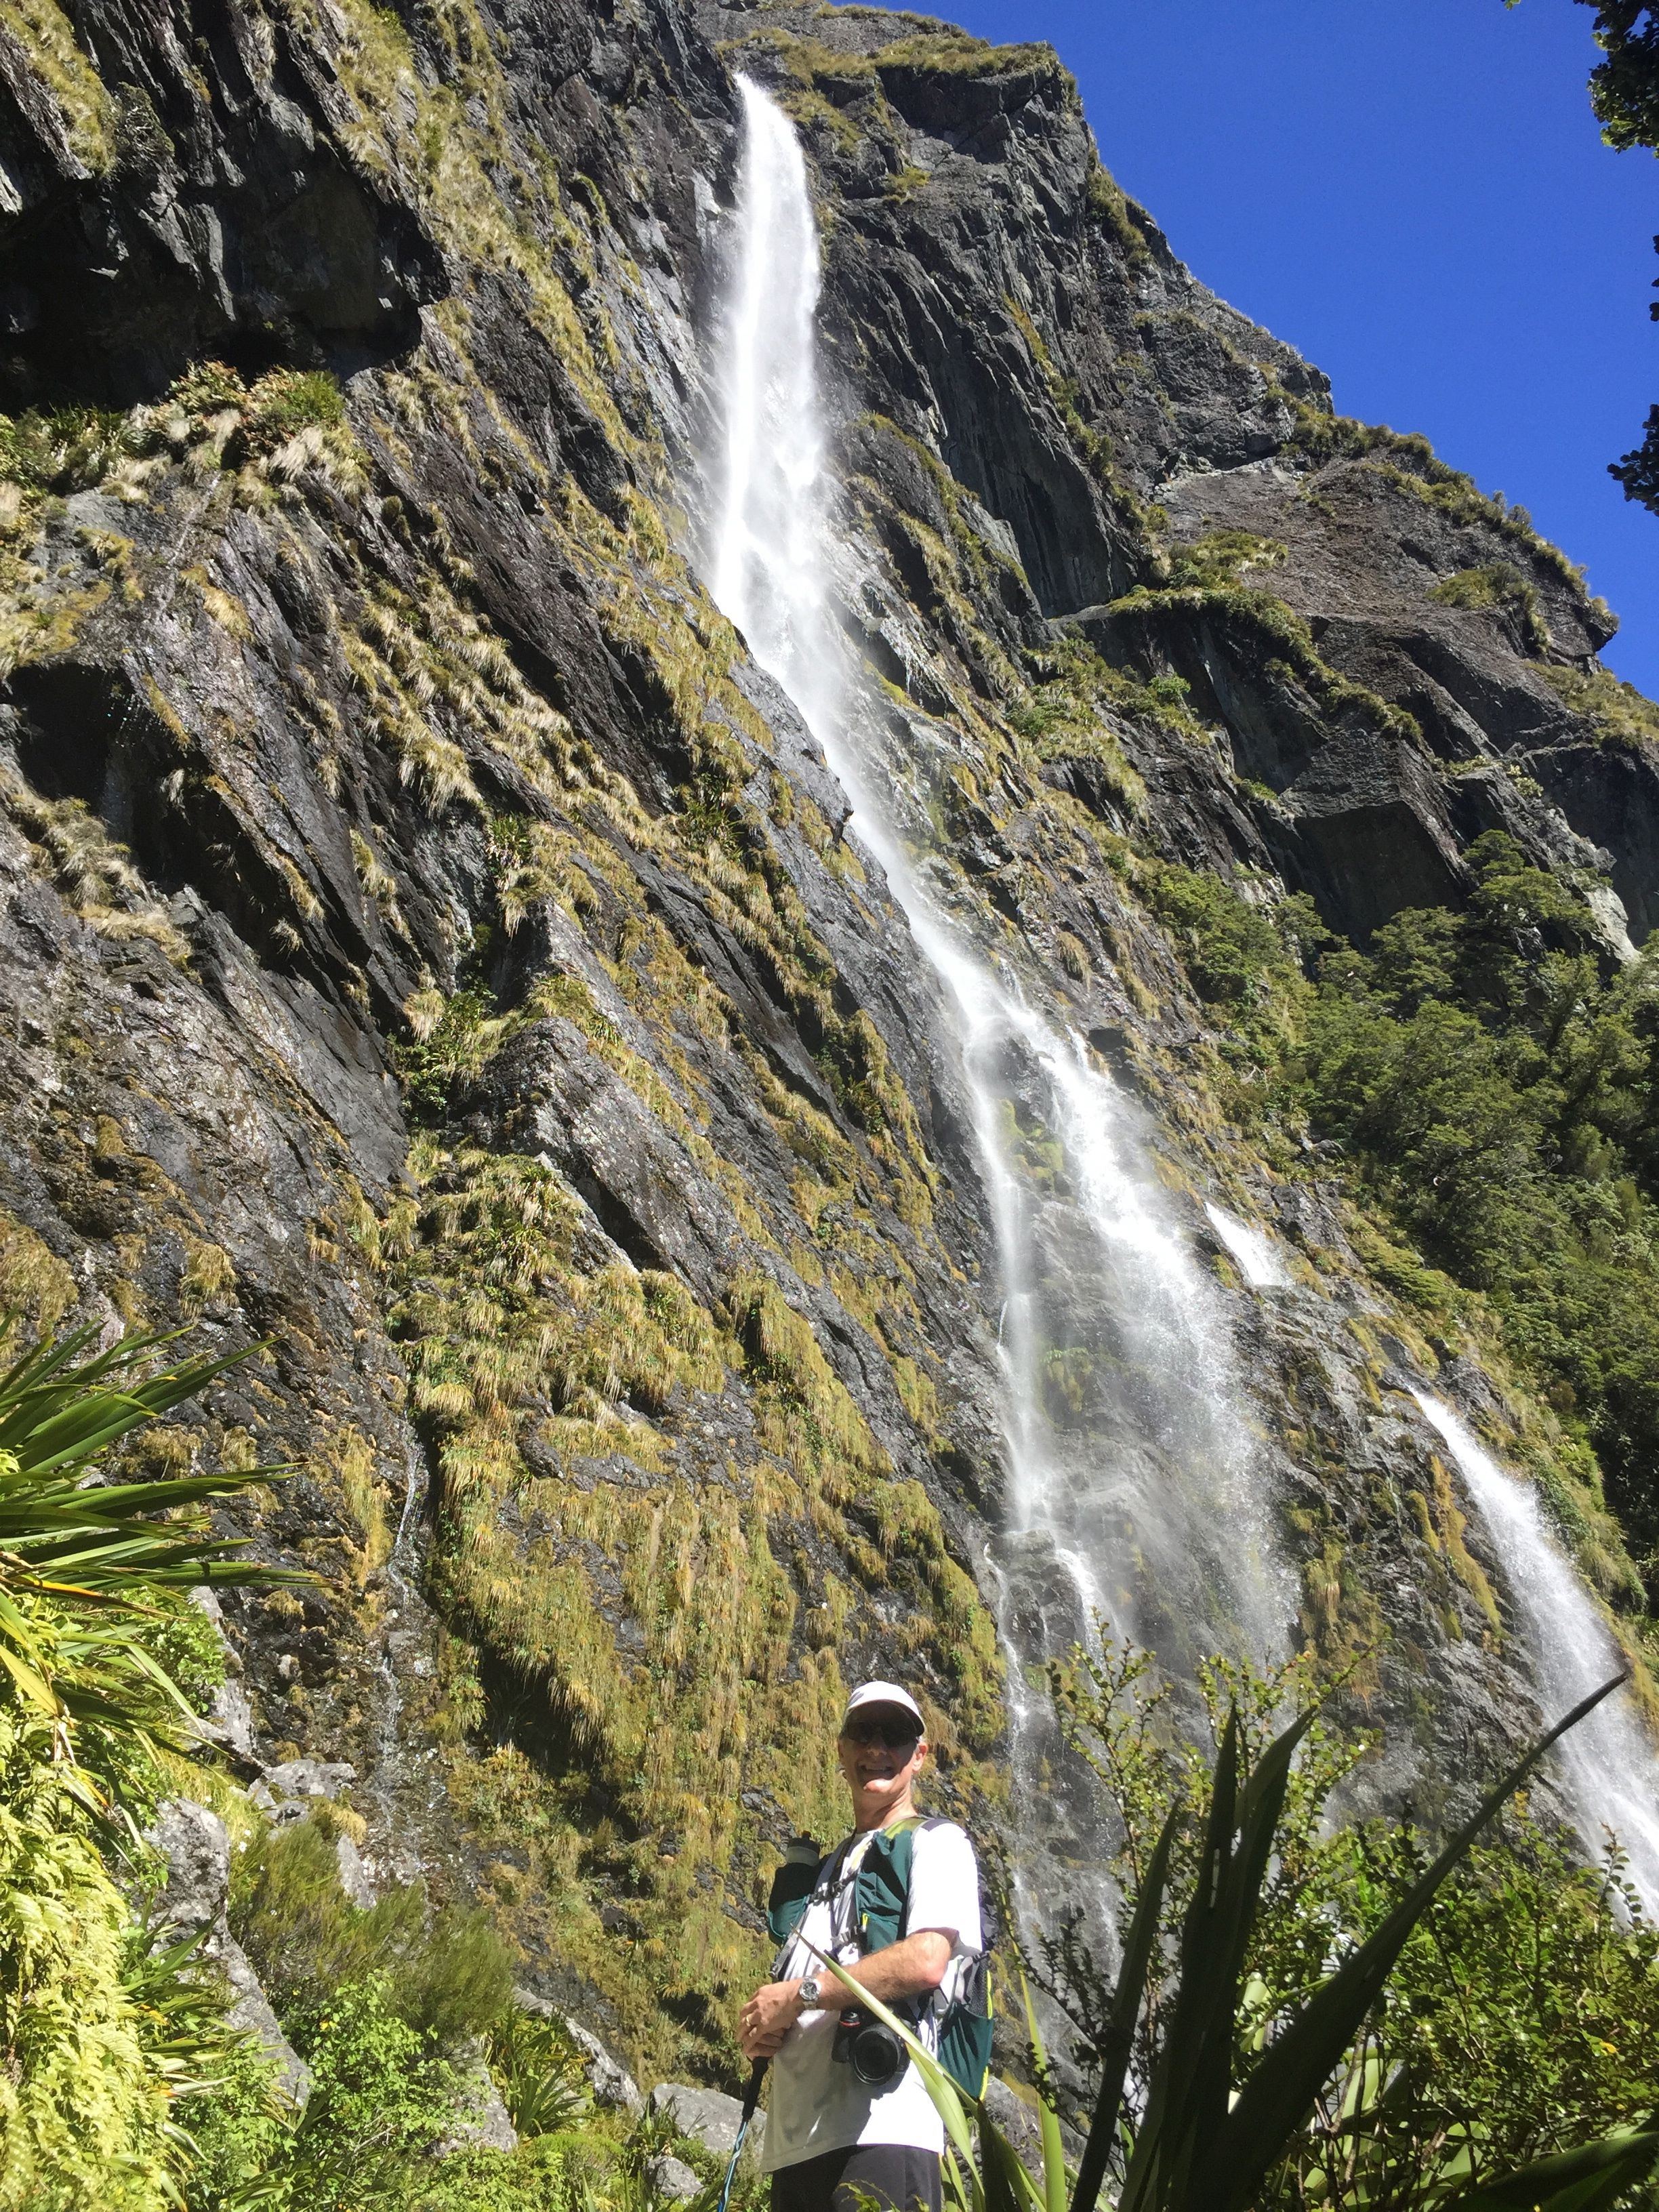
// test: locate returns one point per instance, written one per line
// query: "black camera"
(870, 2049)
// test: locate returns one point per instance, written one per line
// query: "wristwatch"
(809, 1993)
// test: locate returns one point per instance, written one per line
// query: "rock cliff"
(433, 947)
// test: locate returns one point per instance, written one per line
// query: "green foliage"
(1219, 558)
(1617, 712)
(289, 400)
(381, 2094)
(445, 1974)
(385, 2003)
(1111, 205)
(101, 2031)
(1625, 89)
(78, 1563)
(1489, 1079)
(60, 449)
(1325, 2015)
(539, 2070)
(1069, 711)
(209, 414)
(1244, 958)
(1495, 1093)
(1501, 585)
(452, 1039)
(83, 2105)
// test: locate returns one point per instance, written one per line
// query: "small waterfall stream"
(1607, 1763)
(1133, 1491)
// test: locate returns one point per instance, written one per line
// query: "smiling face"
(880, 1774)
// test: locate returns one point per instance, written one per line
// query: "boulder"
(1017, 2120)
(193, 1841)
(672, 2179)
(708, 2116)
(607, 2077)
(483, 2121)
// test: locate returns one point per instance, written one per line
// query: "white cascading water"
(1132, 1492)
(1607, 1763)
(1251, 1250)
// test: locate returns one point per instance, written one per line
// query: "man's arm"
(909, 1969)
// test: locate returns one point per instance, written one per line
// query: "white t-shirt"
(816, 2105)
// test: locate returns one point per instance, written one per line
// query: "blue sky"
(1414, 193)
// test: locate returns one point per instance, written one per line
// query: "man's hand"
(907, 1969)
(767, 2018)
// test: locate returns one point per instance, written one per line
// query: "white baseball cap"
(883, 1694)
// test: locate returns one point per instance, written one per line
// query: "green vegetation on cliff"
(1487, 1080)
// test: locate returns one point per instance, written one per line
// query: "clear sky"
(1413, 193)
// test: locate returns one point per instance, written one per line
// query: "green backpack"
(881, 1905)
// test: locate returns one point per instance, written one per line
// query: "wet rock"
(282, 1791)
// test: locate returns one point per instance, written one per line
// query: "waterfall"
(1607, 1763)
(1251, 1250)
(1132, 1487)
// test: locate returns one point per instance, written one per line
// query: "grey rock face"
(195, 1846)
(610, 2082)
(709, 2115)
(1017, 2120)
(484, 2122)
(194, 1843)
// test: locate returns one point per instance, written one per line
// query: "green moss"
(1219, 558)
(53, 53)
(1617, 713)
(1500, 585)
(1067, 712)
(1110, 206)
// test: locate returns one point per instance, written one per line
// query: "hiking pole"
(750, 2099)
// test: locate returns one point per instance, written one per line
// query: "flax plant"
(1193, 2142)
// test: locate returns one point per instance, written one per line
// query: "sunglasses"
(894, 1733)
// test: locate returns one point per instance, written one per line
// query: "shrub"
(539, 2072)
(445, 1974)
(98, 2031)
(60, 449)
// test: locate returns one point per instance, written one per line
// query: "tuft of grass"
(52, 54)
(1499, 585)
(1617, 713)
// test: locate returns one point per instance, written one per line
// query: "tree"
(1625, 94)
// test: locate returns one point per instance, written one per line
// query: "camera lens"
(876, 2055)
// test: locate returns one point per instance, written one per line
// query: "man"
(833, 2143)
